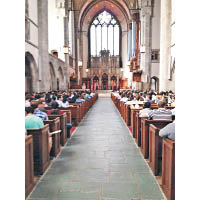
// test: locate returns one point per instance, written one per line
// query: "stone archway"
(114, 82)
(96, 83)
(60, 79)
(104, 81)
(155, 83)
(88, 12)
(53, 77)
(30, 73)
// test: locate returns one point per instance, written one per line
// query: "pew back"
(29, 171)
(168, 168)
(63, 121)
(54, 125)
(40, 148)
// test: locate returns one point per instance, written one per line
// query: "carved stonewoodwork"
(137, 75)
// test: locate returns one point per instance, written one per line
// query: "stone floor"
(100, 162)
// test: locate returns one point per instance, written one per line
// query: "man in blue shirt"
(37, 111)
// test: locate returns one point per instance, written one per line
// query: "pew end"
(40, 149)
(168, 167)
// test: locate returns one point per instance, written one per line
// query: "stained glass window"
(104, 34)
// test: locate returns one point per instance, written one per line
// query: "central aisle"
(100, 162)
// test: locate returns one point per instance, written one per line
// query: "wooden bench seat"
(145, 133)
(40, 149)
(138, 129)
(29, 166)
(155, 149)
(168, 168)
(63, 122)
(133, 119)
(54, 125)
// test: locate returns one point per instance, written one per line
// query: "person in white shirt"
(59, 101)
(27, 101)
(146, 110)
(64, 103)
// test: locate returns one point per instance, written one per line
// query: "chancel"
(102, 72)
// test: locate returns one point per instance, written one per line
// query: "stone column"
(100, 82)
(109, 82)
(165, 42)
(145, 48)
(44, 72)
(117, 82)
(66, 43)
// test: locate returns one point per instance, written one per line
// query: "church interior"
(99, 45)
(100, 100)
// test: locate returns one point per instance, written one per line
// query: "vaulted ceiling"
(87, 9)
(78, 4)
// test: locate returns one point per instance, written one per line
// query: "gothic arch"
(155, 83)
(53, 77)
(60, 79)
(90, 8)
(31, 73)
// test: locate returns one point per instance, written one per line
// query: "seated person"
(27, 101)
(65, 103)
(124, 98)
(37, 111)
(42, 105)
(32, 121)
(161, 113)
(54, 110)
(79, 100)
(59, 101)
(146, 110)
(53, 98)
(35, 122)
(168, 131)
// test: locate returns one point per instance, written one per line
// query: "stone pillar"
(109, 82)
(100, 82)
(66, 43)
(165, 42)
(44, 72)
(145, 48)
(117, 82)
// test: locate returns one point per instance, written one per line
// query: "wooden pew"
(168, 168)
(138, 129)
(40, 149)
(54, 125)
(29, 171)
(75, 113)
(145, 133)
(133, 119)
(155, 149)
(63, 122)
(126, 113)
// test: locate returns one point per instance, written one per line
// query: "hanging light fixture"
(66, 49)
(80, 63)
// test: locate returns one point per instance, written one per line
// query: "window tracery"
(104, 35)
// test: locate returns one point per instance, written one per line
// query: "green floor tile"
(100, 162)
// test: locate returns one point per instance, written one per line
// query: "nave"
(101, 161)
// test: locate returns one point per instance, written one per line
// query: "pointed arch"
(31, 73)
(60, 79)
(53, 77)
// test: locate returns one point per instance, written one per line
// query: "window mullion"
(101, 37)
(107, 37)
(113, 39)
(96, 39)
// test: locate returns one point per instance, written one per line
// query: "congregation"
(148, 98)
(35, 104)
